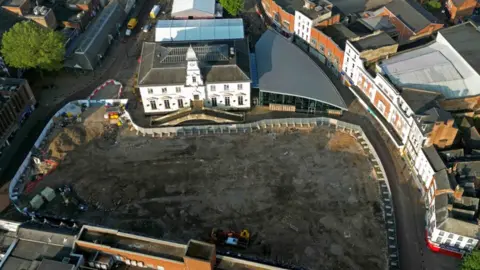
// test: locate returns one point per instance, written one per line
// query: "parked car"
(146, 28)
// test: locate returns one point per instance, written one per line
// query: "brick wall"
(325, 44)
(457, 13)
(443, 134)
(461, 104)
(286, 19)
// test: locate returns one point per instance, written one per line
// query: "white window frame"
(164, 90)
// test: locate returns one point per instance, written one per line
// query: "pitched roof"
(464, 38)
(197, 8)
(419, 100)
(411, 14)
(283, 68)
(165, 64)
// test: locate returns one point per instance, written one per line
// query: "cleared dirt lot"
(306, 196)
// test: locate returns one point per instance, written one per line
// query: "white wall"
(351, 62)
(303, 26)
(218, 91)
(158, 95)
(186, 94)
(424, 169)
(458, 241)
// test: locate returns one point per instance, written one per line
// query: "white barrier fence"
(355, 130)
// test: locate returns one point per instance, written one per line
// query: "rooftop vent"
(318, 8)
(309, 4)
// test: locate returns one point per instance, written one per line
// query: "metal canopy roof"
(285, 69)
(196, 30)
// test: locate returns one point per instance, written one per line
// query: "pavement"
(409, 209)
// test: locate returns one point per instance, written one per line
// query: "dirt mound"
(71, 137)
(342, 142)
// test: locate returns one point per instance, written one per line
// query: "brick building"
(16, 102)
(306, 19)
(409, 18)
(459, 9)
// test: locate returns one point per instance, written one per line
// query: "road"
(409, 211)
(122, 54)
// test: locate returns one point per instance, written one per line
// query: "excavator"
(230, 238)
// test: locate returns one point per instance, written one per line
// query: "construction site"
(302, 197)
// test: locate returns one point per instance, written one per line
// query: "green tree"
(472, 261)
(28, 45)
(232, 6)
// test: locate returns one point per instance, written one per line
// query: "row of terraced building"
(417, 78)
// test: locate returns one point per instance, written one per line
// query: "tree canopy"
(232, 6)
(29, 45)
(471, 261)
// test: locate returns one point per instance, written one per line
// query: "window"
(180, 103)
(214, 102)
(470, 241)
(321, 48)
(240, 100)
(153, 104)
(348, 59)
(286, 24)
(150, 90)
(164, 90)
(314, 42)
(227, 101)
(226, 87)
(381, 106)
(441, 233)
(212, 87)
(167, 104)
(178, 89)
(194, 79)
(306, 36)
(240, 86)
(450, 235)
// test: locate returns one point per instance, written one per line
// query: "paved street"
(409, 209)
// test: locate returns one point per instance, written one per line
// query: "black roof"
(339, 33)
(434, 158)
(285, 69)
(165, 64)
(7, 20)
(411, 13)
(420, 100)
(465, 39)
(373, 42)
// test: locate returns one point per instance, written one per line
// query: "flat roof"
(291, 6)
(199, 30)
(373, 42)
(339, 33)
(134, 243)
(465, 39)
(285, 69)
(460, 227)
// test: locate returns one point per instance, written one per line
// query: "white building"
(171, 76)
(190, 9)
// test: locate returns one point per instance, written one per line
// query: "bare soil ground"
(307, 196)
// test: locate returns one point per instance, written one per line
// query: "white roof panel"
(186, 8)
(197, 30)
(435, 67)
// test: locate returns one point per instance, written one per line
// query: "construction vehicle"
(130, 26)
(230, 238)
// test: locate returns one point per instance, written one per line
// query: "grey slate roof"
(339, 33)
(465, 38)
(441, 208)
(441, 179)
(419, 100)
(283, 68)
(165, 64)
(434, 158)
(411, 13)
(374, 42)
